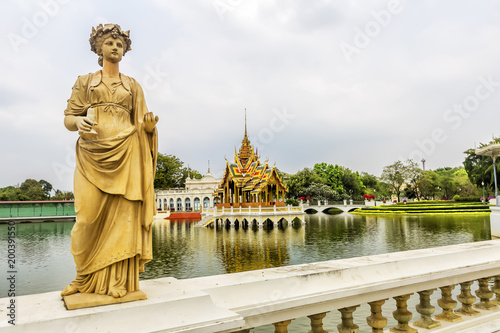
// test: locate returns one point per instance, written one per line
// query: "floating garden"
(427, 207)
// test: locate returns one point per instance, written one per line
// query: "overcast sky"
(361, 84)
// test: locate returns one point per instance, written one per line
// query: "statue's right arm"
(77, 123)
(75, 118)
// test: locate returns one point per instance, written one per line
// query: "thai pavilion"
(250, 193)
(248, 183)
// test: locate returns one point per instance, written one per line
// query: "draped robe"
(113, 185)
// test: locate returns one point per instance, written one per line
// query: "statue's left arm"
(145, 123)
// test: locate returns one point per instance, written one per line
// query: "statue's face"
(112, 49)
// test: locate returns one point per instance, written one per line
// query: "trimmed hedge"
(434, 207)
(421, 212)
(468, 199)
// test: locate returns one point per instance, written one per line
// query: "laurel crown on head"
(108, 30)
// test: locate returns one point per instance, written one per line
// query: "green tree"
(168, 172)
(446, 182)
(63, 195)
(297, 183)
(10, 193)
(394, 176)
(399, 175)
(46, 187)
(480, 169)
(320, 192)
(352, 183)
(369, 180)
(465, 186)
(331, 174)
(427, 184)
(413, 174)
(32, 190)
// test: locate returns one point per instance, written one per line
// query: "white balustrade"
(241, 301)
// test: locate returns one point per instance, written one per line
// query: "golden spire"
(246, 148)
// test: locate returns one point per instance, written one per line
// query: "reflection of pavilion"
(250, 193)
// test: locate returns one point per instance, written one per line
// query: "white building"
(197, 193)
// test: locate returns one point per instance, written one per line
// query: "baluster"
(317, 323)
(402, 315)
(281, 326)
(447, 303)
(348, 325)
(426, 310)
(484, 293)
(467, 299)
(376, 321)
(496, 290)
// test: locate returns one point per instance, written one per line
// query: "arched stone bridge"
(325, 207)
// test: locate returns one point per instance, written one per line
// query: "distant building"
(197, 194)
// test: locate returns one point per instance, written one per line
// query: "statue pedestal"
(87, 300)
(495, 222)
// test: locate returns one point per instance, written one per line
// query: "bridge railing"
(221, 211)
(400, 285)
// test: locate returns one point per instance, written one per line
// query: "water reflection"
(182, 250)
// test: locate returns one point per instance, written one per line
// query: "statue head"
(102, 32)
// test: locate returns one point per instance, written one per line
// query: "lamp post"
(484, 199)
(374, 198)
(495, 177)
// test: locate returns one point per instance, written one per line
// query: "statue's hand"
(84, 124)
(150, 121)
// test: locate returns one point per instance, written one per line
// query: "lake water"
(181, 250)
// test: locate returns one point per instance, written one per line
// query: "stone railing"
(246, 216)
(329, 293)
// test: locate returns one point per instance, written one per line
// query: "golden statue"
(115, 166)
